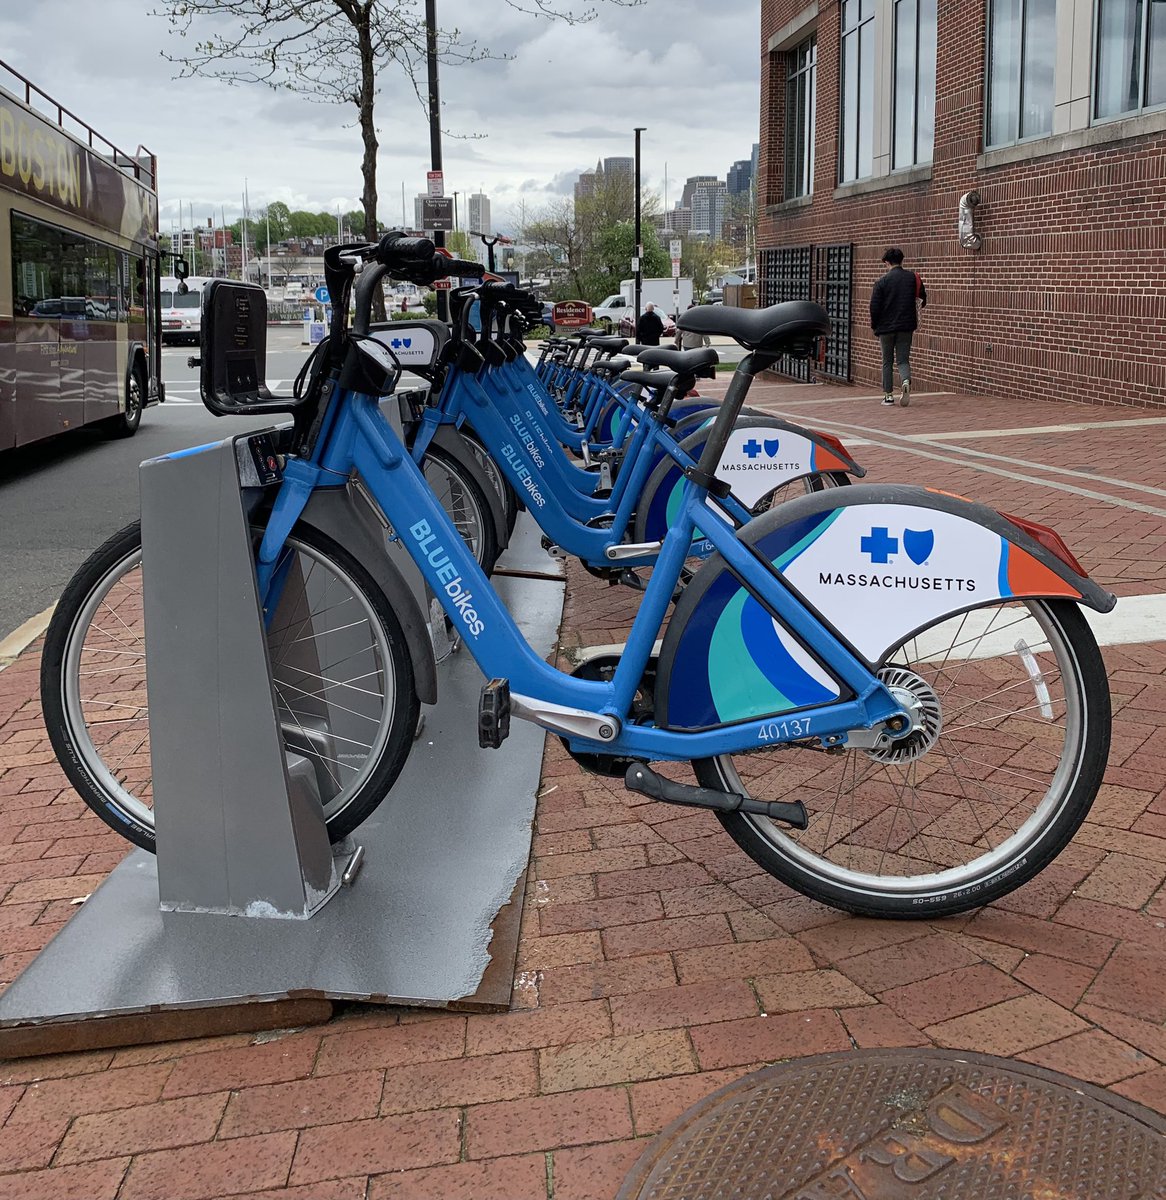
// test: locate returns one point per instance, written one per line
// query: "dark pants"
(896, 348)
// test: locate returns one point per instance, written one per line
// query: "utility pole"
(435, 128)
(638, 261)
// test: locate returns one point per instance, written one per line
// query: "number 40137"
(783, 731)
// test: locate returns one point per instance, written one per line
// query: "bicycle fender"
(346, 517)
(452, 442)
(762, 453)
(877, 563)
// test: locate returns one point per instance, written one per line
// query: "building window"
(856, 143)
(914, 106)
(799, 119)
(1131, 56)
(1021, 53)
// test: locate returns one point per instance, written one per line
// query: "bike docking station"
(247, 918)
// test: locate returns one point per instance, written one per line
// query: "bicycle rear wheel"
(1012, 746)
(345, 697)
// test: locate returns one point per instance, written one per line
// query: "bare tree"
(330, 51)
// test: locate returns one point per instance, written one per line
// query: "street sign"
(436, 181)
(675, 247)
(323, 295)
(635, 264)
(571, 313)
(676, 268)
(443, 285)
(437, 215)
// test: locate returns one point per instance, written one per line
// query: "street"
(61, 498)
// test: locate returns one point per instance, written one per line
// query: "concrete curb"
(24, 635)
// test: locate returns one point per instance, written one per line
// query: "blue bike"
(888, 695)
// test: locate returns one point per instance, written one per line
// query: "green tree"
(331, 51)
(700, 259)
(277, 218)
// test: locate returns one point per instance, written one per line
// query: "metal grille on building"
(832, 290)
(820, 273)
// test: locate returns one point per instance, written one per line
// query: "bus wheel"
(126, 423)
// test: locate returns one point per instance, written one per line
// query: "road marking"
(909, 447)
(1031, 429)
(24, 635)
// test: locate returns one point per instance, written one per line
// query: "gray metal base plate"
(432, 918)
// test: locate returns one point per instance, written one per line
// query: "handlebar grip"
(396, 249)
(457, 266)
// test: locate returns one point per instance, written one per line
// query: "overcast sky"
(688, 70)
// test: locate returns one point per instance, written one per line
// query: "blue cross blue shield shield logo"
(918, 544)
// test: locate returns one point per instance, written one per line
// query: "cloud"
(554, 97)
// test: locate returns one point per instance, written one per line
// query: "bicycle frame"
(510, 432)
(592, 715)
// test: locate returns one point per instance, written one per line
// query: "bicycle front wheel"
(465, 505)
(1011, 745)
(345, 697)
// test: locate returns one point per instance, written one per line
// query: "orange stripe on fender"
(1028, 576)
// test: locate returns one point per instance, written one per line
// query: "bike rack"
(240, 921)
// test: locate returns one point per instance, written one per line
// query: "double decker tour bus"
(79, 270)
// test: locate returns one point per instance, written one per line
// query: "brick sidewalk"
(656, 962)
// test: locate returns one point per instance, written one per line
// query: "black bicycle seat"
(609, 345)
(693, 362)
(656, 380)
(611, 366)
(768, 329)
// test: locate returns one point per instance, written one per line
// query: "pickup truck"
(608, 314)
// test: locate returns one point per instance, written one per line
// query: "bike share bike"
(887, 694)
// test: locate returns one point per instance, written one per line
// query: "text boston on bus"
(79, 300)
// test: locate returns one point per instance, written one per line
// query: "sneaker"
(905, 396)
(889, 399)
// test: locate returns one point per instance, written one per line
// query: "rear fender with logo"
(762, 453)
(877, 564)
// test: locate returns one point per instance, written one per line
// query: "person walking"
(894, 303)
(649, 327)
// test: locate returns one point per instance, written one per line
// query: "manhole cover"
(892, 1124)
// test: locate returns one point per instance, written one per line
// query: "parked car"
(627, 327)
(549, 315)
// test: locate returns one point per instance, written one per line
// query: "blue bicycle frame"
(356, 436)
(531, 463)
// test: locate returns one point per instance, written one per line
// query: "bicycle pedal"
(629, 578)
(494, 714)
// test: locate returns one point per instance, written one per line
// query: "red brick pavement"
(656, 963)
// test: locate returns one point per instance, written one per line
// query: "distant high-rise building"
(708, 209)
(588, 182)
(616, 167)
(740, 177)
(479, 215)
(678, 219)
(690, 186)
(756, 157)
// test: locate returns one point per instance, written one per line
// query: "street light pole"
(639, 257)
(435, 127)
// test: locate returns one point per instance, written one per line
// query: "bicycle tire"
(82, 749)
(498, 481)
(465, 504)
(948, 810)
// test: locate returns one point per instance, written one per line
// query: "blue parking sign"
(323, 295)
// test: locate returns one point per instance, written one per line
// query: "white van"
(182, 311)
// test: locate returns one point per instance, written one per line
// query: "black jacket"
(648, 329)
(892, 303)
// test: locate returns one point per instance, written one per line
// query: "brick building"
(879, 116)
